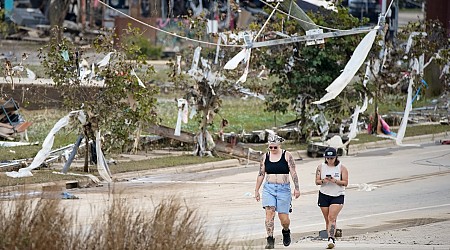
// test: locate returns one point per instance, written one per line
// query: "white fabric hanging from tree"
(353, 65)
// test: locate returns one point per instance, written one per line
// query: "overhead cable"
(164, 31)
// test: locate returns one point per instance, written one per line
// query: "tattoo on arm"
(261, 171)
(295, 178)
(291, 163)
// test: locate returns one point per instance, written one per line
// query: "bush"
(146, 48)
(43, 224)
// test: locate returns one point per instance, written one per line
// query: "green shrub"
(145, 47)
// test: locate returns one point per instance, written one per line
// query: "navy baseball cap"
(330, 153)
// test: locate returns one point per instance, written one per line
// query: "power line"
(298, 19)
(167, 32)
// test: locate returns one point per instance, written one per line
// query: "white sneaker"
(330, 244)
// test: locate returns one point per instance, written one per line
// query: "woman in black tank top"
(275, 167)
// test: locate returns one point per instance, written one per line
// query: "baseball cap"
(330, 153)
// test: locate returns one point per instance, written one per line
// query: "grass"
(40, 176)
(46, 224)
(46, 175)
(410, 131)
(43, 121)
(242, 115)
(168, 161)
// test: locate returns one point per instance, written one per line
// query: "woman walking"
(332, 177)
(275, 167)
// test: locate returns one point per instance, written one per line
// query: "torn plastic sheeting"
(234, 62)
(47, 145)
(355, 62)
(178, 65)
(410, 40)
(247, 92)
(133, 73)
(182, 115)
(19, 162)
(30, 74)
(408, 107)
(90, 176)
(224, 38)
(365, 104)
(44, 152)
(15, 144)
(353, 126)
(102, 167)
(105, 60)
(243, 78)
(445, 70)
(219, 40)
(194, 65)
(367, 75)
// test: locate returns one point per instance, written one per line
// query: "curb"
(178, 169)
(355, 148)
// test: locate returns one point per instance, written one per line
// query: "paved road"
(390, 189)
(406, 16)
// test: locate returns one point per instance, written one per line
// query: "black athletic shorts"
(326, 200)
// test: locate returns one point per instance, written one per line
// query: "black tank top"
(279, 167)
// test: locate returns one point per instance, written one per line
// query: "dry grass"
(31, 224)
(44, 224)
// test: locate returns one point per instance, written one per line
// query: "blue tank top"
(279, 167)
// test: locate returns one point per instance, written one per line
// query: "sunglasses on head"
(273, 147)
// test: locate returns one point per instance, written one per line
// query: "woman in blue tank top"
(275, 167)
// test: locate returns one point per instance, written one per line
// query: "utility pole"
(383, 7)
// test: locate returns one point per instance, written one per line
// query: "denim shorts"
(278, 196)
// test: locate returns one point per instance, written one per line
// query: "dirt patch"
(415, 231)
(36, 97)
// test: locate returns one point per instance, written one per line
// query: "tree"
(424, 41)
(115, 100)
(56, 13)
(304, 72)
(206, 82)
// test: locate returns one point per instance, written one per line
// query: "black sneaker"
(270, 242)
(330, 244)
(286, 237)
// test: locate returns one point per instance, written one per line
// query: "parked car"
(365, 8)
(317, 149)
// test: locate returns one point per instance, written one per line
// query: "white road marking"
(379, 214)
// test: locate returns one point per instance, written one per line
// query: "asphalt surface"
(398, 198)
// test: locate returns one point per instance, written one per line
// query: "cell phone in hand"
(328, 175)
